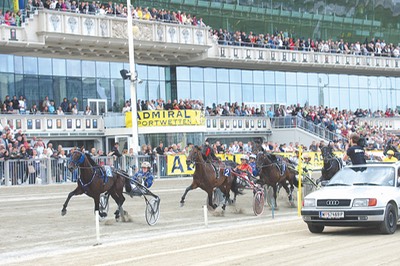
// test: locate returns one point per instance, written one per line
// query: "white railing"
(304, 58)
(238, 123)
(43, 125)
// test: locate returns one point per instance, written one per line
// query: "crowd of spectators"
(11, 18)
(19, 106)
(116, 9)
(282, 40)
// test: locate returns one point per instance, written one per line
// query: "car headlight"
(364, 202)
(309, 203)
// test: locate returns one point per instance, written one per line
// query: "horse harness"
(96, 169)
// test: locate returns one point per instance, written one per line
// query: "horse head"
(262, 160)
(327, 152)
(77, 158)
(194, 156)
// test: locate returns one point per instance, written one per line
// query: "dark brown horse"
(93, 181)
(274, 171)
(205, 177)
(332, 164)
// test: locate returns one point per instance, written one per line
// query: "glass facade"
(36, 78)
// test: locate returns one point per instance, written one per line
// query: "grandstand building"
(66, 55)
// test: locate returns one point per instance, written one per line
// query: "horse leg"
(119, 199)
(210, 202)
(275, 203)
(191, 187)
(288, 191)
(77, 191)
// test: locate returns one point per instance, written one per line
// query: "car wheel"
(316, 229)
(389, 224)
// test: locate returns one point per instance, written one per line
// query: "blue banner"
(21, 4)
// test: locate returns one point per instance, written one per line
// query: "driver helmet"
(306, 156)
(390, 152)
(253, 156)
(146, 165)
(244, 157)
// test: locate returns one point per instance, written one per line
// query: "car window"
(368, 176)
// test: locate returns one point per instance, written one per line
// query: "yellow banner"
(16, 6)
(176, 165)
(164, 118)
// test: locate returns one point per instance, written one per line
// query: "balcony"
(101, 37)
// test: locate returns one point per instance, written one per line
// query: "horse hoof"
(63, 212)
(182, 204)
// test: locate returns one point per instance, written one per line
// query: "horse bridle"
(265, 165)
(79, 161)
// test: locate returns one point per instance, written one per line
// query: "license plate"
(331, 215)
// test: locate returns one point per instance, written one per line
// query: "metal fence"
(53, 170)
(298, 122)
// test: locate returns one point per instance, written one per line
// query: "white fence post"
(7, 172)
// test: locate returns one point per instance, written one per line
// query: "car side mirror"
(324, 183)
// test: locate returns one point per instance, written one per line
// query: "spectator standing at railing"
(75, 103)
(74, 110)
(60, 111)
(52, 109)
(22, 105)
(34, 110)
(39, 4)
(88, 111)
(45, 103)
(64, 105)
(15, 103)
(7, 18)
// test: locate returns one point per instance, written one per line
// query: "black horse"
(275, 172)
(93, 180)
(332, 164)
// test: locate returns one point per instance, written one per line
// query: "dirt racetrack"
(33, 232)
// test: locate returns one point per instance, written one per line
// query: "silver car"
(362, 195)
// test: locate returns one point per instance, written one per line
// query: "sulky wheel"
(258, 202)
(152, 211)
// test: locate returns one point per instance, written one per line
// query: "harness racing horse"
(93, 181)
(205, 177)
(332, 164)
(272, 174)
(231, 183)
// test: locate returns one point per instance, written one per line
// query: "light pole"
(133, 78)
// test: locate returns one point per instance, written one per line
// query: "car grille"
(333, 202)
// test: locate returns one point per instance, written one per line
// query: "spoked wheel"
(103, 204)
(258, 202)
(152, 211)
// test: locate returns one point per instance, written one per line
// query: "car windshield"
(364, 176)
